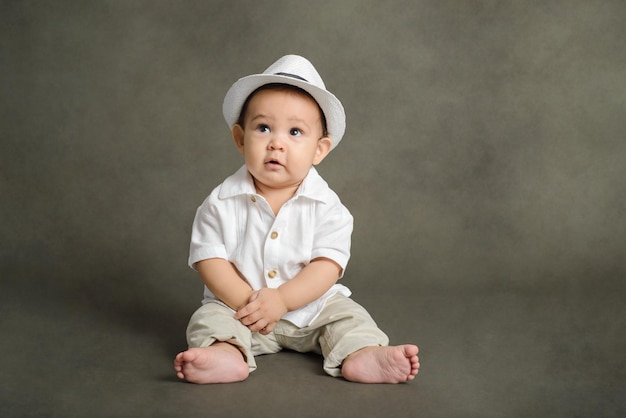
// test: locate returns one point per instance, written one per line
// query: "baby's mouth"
(273, 163)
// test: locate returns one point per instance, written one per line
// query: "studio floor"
(484, 353)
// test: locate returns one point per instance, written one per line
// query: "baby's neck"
(276, 198)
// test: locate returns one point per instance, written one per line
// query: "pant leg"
(214, 321)
(342, 328)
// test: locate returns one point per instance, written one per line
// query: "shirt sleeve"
(333, 235)
(207, 235)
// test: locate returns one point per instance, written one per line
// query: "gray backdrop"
(483, 163)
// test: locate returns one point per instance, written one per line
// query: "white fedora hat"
(296, 71)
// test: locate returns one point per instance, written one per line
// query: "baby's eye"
(295, 132)
(263, 128)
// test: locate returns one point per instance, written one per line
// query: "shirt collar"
(313, 186)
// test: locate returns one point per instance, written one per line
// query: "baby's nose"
(276, 142)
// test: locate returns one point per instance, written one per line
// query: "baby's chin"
(267, 184)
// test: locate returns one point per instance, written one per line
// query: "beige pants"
(342, 328)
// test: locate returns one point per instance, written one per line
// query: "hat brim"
(330, 105)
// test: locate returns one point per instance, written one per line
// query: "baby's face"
(281, 138)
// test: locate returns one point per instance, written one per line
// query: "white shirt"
(237, 224)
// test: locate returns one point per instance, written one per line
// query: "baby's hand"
(263, 311)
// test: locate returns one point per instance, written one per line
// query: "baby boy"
(272, 241)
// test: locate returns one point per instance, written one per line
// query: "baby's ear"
(324, 145)
(237, 133)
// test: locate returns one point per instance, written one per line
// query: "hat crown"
(296, 67)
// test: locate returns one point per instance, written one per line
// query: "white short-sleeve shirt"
(237, 224)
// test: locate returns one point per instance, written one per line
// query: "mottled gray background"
(483, 162)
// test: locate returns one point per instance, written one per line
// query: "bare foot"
(382, 364)
(217, 363)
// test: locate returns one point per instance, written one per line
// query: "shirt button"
(271, 274)
(253, 198)
(274, 235)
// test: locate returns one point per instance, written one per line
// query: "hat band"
(297, 77)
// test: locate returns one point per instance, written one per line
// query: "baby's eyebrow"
(298, 120)
(259, 116)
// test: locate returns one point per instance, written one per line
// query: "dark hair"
(282, 87)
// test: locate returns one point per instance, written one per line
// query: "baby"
(271, 242)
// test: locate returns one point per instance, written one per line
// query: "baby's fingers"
(268, 328)
(262, 326)
(249, 309)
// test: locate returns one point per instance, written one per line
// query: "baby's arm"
(310, 284)
(224, 281)
(267, 306)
